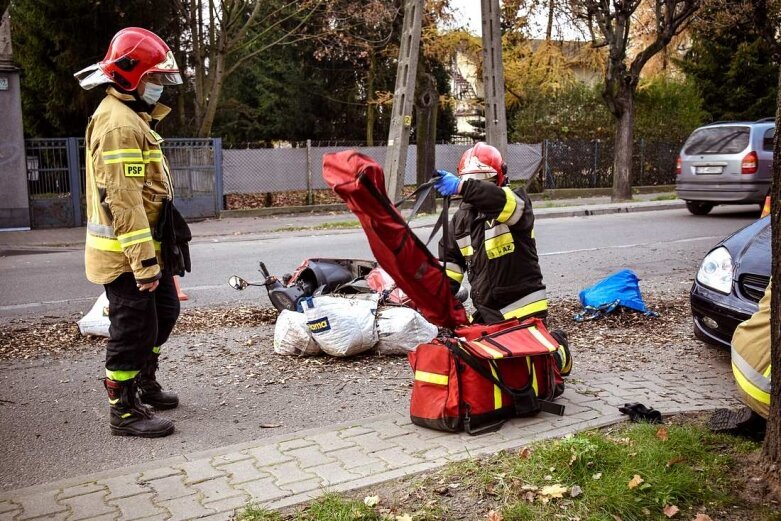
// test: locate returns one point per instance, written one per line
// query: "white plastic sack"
(342, 326)
(96, 321)
(291, 335)
(401, 330)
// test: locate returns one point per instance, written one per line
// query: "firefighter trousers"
(141, 321)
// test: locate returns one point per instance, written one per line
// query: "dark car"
(731, 280)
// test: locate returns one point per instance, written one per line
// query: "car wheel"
(698, 207)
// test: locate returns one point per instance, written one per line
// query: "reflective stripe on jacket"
(751, 362)
(126, 182)
(492, 241)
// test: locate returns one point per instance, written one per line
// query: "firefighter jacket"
(492, 241)
(127, 180)
(751, 362)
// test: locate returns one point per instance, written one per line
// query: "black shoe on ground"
(740, 422)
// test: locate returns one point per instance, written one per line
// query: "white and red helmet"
(132, 54)
(482, 162)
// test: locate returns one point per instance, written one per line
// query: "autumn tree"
(610, 25)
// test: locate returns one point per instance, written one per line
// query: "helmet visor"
(166, 72)
(91, 77)
(164, 78)
(481, 176)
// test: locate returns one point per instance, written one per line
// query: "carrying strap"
(524, 399)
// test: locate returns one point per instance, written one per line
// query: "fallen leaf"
(671, 510)
(635, 481)
(553, 490)
(494, 516)
(646, 512)
(663, 434)
(371, 501)
(573, 459)
(617, 518)
(529, 497)
(404, 517)
(575, 491)
(269, 425)
(703, 517)
(596, 476)
(677, 459)
(525, 453)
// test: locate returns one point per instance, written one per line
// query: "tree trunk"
(217, 79)
(622, 156)
(549, 28)
(371, 110)
(426, 103)
(771, 449)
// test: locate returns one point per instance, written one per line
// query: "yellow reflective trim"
(766, 374)
(466, 251)
(490, 350)
(127, 415)
(534, 307)
(533, 374)
(532, 234)
(135, 233)
(103, 244)
(113, 402)
(541, 338)
(126, 245)
(432, 378)
(121, 376)
(458, 277)
(156, 350)
(499, 245)
(749, 388)
(497, 390)
(509, 206)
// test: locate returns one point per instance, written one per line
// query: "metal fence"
(269, 170)
(589, 164)
(56, 177)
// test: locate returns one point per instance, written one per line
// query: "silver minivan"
(726, 163)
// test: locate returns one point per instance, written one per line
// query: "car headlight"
(716, 270)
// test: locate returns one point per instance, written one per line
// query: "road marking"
(619, 246)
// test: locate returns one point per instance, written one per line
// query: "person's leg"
(132, 334)
(167, 307)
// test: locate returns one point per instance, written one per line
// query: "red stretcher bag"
(360, 182)
(484, 375)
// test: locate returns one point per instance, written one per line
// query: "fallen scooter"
(314, 277)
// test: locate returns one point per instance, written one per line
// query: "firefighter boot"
(150, 391)
(131, 418)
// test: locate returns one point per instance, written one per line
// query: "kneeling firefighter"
(132, 248)
(492, 242)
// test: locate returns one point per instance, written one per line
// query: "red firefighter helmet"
(132, 54)
(483, 162)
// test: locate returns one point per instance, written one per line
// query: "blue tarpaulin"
(619, 289)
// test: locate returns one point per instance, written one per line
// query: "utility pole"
(493, 77)
(403, 99)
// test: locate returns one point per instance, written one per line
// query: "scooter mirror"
(237, 282)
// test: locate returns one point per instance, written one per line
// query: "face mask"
(152, 93)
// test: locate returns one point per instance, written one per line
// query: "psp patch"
(319, 325)
(134, 169)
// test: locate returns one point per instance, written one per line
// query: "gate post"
(310, 199)
(74, 179)
(219, 197)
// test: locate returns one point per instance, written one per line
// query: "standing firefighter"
(128, 188)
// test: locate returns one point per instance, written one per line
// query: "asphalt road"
(233, 388)
(574, 251)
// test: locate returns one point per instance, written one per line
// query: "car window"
(767, 141)
(717, 140)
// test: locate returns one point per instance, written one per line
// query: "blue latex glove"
(447, 184)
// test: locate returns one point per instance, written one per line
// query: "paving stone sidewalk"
(294, 468)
